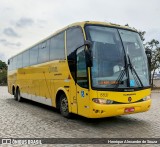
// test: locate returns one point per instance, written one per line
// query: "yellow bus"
(93, 69)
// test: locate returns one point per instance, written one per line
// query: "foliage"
(152, 45)
(3, 77)
(3, 65)
(3, 73)
(155, 61)
(142, 33)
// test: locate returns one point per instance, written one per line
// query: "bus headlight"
(146, 98)
(102, 101)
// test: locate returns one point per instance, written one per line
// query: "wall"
(156, 82)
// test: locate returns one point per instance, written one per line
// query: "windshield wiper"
(120, 77)
(133, 70)
(124, 71)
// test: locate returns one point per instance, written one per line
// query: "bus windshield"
(113, 50)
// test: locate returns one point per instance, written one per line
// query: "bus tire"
(14, 93)
(15, 96)
(64, 106)
(19, 98)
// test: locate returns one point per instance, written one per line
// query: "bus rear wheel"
(64, 106)
(15, 96)
(14, 93)
(19, 98)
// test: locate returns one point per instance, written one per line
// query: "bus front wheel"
(64, 106)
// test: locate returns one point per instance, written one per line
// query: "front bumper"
(100, 111)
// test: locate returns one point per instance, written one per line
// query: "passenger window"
(43, 52)
(26, 58)
(34, 55)
(14, 63)
(75, 39)
(82, 79)
(57, 47)
(10, 64)
(19, 61)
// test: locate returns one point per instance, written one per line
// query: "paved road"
(30, 119)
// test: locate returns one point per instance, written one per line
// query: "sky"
(25, 22)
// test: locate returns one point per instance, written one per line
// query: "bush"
(3, 77)
(3, 73)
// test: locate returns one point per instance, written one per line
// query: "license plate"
(128, 110)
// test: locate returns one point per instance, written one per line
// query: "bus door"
(82, 83)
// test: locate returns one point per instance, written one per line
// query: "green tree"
(3, 77)
(155, 61)
(142, 33)
(3, 65)
(3, 73)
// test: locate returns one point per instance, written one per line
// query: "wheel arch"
(59, 92)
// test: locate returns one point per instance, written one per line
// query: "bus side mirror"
(149, 57)
(8, 62)
(88, 44)
(88, 53)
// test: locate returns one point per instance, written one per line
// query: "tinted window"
(26, 58)
(34, 55)
(10, 64)
(14, 63)
(57, 47)
(19, 61)
(82, 79)
(74, 39)
(43, 52)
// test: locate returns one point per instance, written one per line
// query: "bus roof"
(82, 24)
